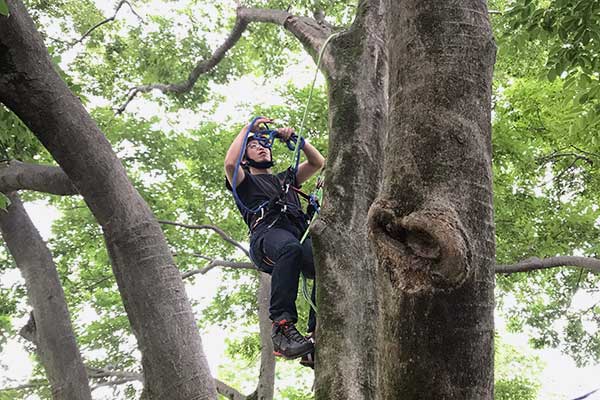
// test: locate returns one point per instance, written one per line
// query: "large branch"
(308, 31)
(16, 175)
(33, 384)
(534, 263)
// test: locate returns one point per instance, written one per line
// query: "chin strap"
(259, 164)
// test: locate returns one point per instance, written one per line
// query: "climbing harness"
(266, 138)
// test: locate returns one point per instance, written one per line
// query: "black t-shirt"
(256, 189)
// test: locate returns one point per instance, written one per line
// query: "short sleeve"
(242, 184)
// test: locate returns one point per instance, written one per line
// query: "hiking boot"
(288, 342)
(308, 360)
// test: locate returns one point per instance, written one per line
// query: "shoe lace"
(290, 332)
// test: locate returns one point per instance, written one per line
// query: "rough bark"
(406, 296)
(49, 327)
(16, 175)
(149, 282)
(266, 377)
(432, 224)
(346, 286)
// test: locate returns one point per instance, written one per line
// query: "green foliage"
(246, 347)
(516, 375)
(293, 393)
(234, 301)
(8, 308)
(545, 168)
(16, 140)
(569, 36)
(567, 27)
(4, 202)
(4, 8)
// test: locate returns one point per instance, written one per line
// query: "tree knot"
(428, 249)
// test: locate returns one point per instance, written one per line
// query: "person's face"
(257, 152)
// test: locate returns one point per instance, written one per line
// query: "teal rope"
(297, 155)
(312, 87)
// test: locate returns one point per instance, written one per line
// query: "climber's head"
(257, 155)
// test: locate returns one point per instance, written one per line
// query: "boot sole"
(278, 354)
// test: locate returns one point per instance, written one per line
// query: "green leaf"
(4, 201)
(4, 8)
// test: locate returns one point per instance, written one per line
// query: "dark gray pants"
(277, 251)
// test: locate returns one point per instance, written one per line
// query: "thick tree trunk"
(50, 327)
(347, 293)
(406, 297)
(149, 282)
(432, 225)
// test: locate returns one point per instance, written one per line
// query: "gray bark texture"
(266, 378)
(405, 246)
(50, 327)
(347, 295)
(16, 175)
(149, 282)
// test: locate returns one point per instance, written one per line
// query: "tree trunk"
(50, 326)
(406, 296)
(266, 377)
(149, 282)
(347, 293)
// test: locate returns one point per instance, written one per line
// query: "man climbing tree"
(271, 208)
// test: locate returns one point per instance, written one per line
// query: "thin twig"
(219, 263)
(107, 20)
(216, 229)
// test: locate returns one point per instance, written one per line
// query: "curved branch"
(16, 175)
(534, 263)
(309, 32)
(107, 20)
(218, 230)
